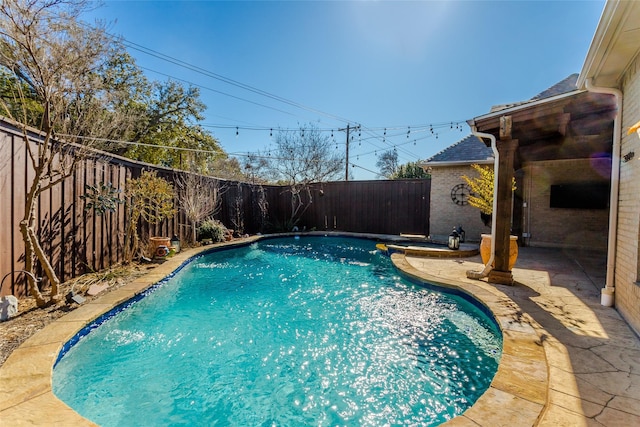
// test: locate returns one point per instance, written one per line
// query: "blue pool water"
(285, 332)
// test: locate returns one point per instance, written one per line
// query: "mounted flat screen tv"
(586, 195)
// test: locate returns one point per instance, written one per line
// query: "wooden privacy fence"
(78, 241)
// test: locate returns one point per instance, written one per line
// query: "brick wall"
(444, 213)
(567, 228)
(627, 295)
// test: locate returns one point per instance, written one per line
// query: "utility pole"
(346, 170)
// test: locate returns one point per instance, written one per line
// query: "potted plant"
(481, 197)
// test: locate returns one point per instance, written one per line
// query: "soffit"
(615, 44)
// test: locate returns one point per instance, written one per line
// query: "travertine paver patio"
(567, 361)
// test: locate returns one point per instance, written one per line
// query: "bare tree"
(53, 59)
(303, 157)
(198, 197)
(237, 210)
(388, 163)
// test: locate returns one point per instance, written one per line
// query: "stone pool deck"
(567, 361)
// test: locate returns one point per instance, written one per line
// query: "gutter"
(607, 294)
(489, 266)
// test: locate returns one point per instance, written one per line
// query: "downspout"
(607, 294)
(489, 266)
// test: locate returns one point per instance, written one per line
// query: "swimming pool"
(313, 331)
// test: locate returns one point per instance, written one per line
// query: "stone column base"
(500, 277)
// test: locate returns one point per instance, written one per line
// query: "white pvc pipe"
(488, 267)
(607, 298)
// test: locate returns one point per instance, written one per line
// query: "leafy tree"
(170, 120)
(19, 100)
(409, 171)
(50, 60)
(388, 163)
(149, 198)
(481, 186)
(302, 157)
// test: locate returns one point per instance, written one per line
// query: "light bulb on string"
(236, 131)
(271, 133)
(408, 131)
(431, 127)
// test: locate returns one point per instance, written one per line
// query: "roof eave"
(458, 163)
(511, 110)
(603, 42)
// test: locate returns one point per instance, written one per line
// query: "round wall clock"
(460, 194)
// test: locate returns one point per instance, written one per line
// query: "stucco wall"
(627, 294)
(567, 228)
(444, 213)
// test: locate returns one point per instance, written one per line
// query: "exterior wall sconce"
(635, 128)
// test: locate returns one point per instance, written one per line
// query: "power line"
(218, 91)
(227, 80)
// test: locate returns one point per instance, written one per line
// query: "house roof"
(467, 150)
(566, 85)
(614, 46)
(563, 86)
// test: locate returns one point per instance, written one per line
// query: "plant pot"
(485, 250)
(160, 246)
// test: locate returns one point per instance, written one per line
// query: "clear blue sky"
(397, 65)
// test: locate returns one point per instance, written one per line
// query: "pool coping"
(520, 384)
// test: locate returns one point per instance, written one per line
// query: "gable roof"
(468, 150)
(563, 86)
(566, 85)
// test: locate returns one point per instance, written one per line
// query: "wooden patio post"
(501, 274)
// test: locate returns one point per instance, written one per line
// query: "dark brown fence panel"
(382, 207)
(6, 205)
(79, 241)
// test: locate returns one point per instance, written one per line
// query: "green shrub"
(212, 229)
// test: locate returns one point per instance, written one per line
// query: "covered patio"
(575, 127)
